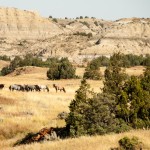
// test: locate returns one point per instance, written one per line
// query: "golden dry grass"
(3, 63)
(23, 112)
(87, 143)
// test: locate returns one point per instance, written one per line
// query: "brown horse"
(1, 86)
(59, 88)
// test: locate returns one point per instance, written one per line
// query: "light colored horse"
(44, 87)
(15, 87)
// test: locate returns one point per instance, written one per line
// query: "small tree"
(146, 61)
(66, 70)
(62, 70)
(76, 120)
(92, 71)
(130, 144)
(6, 70)
(114, 75)
(53, 72)
(90, 113)
(96, 23)
(146, 80)
(133, 104)
(55, 20)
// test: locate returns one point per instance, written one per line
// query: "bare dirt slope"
(3, 64)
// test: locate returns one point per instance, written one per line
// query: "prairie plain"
(24, 112)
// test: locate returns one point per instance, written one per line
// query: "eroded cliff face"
(23, 32)
(22, 24)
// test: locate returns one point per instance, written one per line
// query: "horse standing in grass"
(59, 88)
(16, 87)
(43, 87)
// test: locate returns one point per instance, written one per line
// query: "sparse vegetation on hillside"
(89, 35)
(128, 60)
(96, 23)
(28, 60)
(4, 57)
(55, 20)
(85, 23)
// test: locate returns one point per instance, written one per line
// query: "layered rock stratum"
(22, 24)
(23, 32)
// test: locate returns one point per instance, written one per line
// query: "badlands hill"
(23, 32)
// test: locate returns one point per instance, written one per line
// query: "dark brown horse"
(59, 88)
(1, 86)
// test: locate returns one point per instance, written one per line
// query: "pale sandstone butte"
(31, 33)
(22, 24)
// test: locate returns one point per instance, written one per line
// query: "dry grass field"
(3, 64)
(24, 112)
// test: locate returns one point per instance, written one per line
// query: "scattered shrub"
(5, 58)
(61, 70)
(96, 23)
(89, 35)
(92, 71)
(55, 20)
(85, 23)
(130, 144)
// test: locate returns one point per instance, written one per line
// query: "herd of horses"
(27, 88)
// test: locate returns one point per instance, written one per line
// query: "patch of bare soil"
(27, 70)
(6, 101)
(3, 64)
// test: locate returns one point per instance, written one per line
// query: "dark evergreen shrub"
(5, 58)
(61, 70)
(130, 144)
(96, 23)
(55, 20)
(92, 71)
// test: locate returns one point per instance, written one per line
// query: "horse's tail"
(64, 90)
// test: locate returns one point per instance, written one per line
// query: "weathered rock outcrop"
(72, 38)
(22, 24)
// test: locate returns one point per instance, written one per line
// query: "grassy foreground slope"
(24, 112)
(89, 143)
